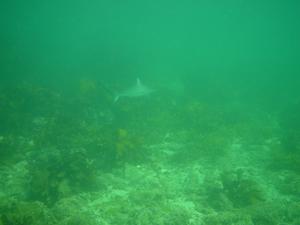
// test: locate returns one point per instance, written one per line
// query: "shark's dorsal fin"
(138, 81)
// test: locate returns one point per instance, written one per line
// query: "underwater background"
(209, 136)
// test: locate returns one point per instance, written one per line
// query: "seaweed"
(55, 174)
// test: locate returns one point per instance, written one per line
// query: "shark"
(138, 90)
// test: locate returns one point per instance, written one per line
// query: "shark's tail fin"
(116, 98)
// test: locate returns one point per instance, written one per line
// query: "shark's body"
(136, 91)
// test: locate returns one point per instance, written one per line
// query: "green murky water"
(150, 112)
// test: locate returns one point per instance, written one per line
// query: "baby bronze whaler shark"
(138, 90)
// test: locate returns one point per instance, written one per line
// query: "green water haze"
(209, 135)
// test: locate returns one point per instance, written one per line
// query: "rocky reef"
(72, 160)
